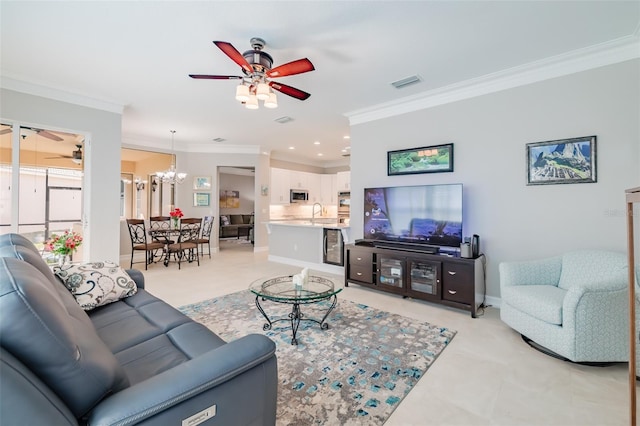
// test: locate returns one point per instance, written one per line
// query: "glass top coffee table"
(282, 290)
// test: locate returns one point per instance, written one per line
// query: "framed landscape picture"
(230, 199)
(428, 159)
(562, 161)
(201, 199)
(202, 183)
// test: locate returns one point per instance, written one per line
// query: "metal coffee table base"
(296, 315)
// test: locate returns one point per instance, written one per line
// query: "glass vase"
(63, 259)
(176, 223)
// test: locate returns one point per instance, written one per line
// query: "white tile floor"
(486, 376)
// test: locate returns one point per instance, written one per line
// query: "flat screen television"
(429, 215)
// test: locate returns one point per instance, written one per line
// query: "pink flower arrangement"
(64, 244)
(176, 213)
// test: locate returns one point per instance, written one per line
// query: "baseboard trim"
(492, 301)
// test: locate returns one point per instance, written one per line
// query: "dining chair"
(205, 238)
(186, 248)
(138, 234)
(159, 226)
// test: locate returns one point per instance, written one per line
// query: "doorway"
(236, 207)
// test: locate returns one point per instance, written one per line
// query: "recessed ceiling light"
(292, 147)
(346, 137)
(316, 143)
(319, 154)
(344, 150)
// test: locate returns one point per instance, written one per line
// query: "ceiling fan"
(76, 156)
(257, 69)
(40, 132)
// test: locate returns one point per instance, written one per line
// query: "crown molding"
(612, 52)
(18, 85)
(139, 141)
(291, 158)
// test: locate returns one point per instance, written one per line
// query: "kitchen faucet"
(313, 212)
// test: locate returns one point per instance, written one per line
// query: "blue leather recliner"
(134, 361)
(575, 305)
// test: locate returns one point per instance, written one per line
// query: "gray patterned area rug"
(356, 372)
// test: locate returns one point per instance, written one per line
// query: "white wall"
(516, 221)
(101, 161)
(206, 164)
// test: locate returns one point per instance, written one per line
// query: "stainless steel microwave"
(299, 196)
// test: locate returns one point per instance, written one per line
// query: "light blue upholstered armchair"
(575, 305)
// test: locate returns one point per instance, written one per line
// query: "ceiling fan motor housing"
(77, 154)
(260, 61)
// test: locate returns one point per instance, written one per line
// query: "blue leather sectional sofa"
(134, 361)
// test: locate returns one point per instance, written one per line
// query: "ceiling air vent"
(406, 81)
(283, 120)
(219, 139)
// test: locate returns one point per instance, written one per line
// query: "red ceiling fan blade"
(288, 90)
(291, 68)
(216, 77)
(235, 56)
(48, 135)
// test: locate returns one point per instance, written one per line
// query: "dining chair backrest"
(189, 229)
(207, 224)
(137, 231)
(160, 223)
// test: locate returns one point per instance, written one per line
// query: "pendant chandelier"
(171, 176)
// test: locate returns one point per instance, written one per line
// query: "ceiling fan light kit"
(242, 93)
(256, 67)
(252, 102)
(271, 102)
(263, 91)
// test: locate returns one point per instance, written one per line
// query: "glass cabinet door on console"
(424, 277)
(391, 272)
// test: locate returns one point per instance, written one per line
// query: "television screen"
(428, 214)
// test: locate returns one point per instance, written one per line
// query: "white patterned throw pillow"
(96, 284)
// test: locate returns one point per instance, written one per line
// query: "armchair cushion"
(96, 284)
(543, 302)
(592, 269)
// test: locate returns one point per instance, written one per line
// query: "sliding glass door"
(41, 191)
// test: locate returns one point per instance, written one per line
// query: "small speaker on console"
(465, 250)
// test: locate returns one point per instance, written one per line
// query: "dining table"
(165, 236)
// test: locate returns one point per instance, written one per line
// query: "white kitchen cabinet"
(280, 186)
(344, 181)
(315, 188)
(329, 189)
(299, 180)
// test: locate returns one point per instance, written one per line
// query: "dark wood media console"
(438, 278)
